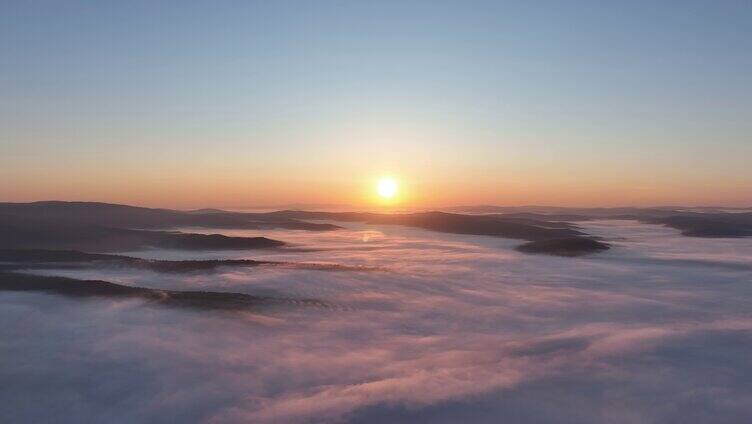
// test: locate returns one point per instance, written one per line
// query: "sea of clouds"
(446, 328)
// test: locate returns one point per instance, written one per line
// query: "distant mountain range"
(104, 227)
(592, 211)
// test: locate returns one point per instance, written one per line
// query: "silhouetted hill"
(123, 216)
(170, 298)
(47, 233)
(489, 225)
(551, 210)
(104, 217)
(691, 221)
(207, 210)
(709, 224)
(14, 259)
(39, 258)
(477, 225)
(572, 246)
(102, 227)
(562, 217)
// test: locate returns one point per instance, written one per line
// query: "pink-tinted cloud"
(450, 324)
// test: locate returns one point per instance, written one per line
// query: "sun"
(386, 187)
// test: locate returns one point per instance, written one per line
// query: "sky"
(254, 104)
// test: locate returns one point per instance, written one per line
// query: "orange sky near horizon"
(197, 190)
(431, 170)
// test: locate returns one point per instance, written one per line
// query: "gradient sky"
(241, 104)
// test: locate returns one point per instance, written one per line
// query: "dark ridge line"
(41, 258)
(33, 233)
(692, 221)
(452, 223)
(205, 300)
(567, 247)
(134, 217)
(708, 225)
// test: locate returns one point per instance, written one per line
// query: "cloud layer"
(454, 328)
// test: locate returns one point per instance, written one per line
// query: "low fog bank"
(451, 328)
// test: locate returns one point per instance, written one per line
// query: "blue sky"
(243, 103)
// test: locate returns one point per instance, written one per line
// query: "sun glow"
(386, 187)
